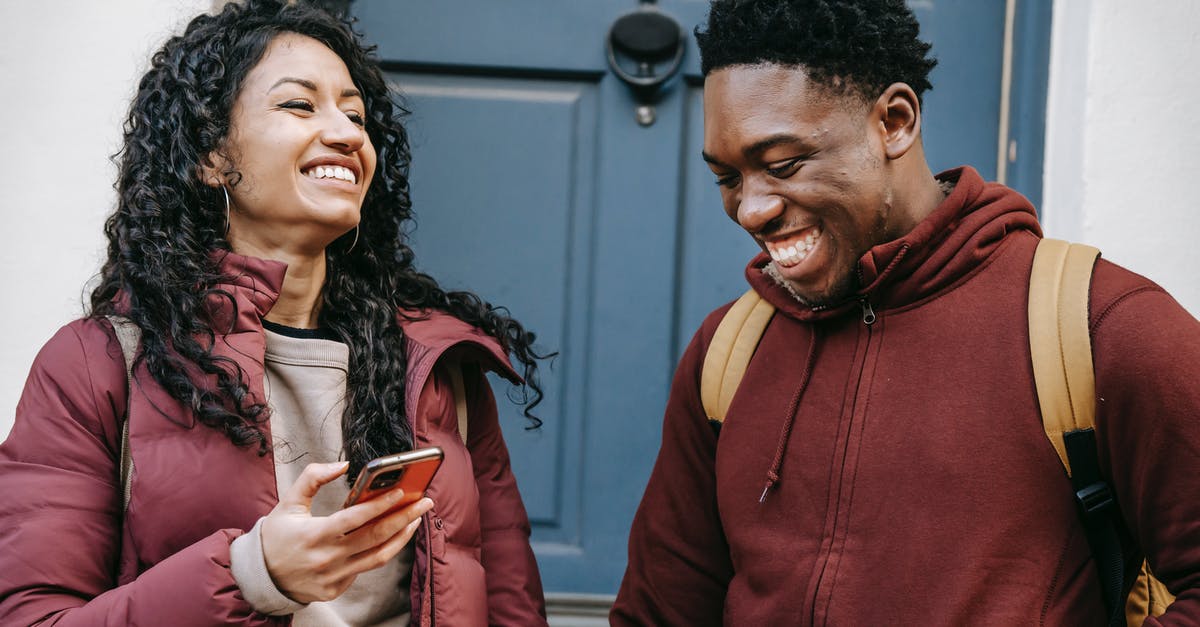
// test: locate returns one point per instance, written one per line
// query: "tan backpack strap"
(128, 336)
(460, 398)
(730, 350)
(1059, 340)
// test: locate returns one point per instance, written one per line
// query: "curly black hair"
(860, 45)
(161, 272)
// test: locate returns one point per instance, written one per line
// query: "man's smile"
(791, 250)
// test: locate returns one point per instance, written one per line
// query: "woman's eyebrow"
(311, 86)
(305, 83)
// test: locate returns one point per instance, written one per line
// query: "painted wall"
(1118, 146)
(68, 68)
(1121, 163)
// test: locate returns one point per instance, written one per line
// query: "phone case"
(411, 472)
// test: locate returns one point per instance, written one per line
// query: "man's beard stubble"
(841, 292)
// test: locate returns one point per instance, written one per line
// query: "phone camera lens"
(387, 479)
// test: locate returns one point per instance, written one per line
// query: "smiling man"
(884, 459)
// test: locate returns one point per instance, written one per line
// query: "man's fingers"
(301, 493)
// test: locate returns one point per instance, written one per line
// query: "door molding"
(578, 610)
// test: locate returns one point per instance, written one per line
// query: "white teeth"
(332, 171)
(795, 252)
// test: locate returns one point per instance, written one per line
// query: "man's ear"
(898, 111)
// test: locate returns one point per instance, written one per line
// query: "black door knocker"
(645, 38)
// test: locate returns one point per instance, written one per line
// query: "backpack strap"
(1061, 347)
(129, 335)
(460, 399)
(729, 352)
(1059, 340)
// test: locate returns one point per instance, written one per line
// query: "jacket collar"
(252, 283)
(945, 247)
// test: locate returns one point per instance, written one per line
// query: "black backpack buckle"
(1095, 499)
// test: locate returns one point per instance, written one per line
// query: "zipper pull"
(868, 313)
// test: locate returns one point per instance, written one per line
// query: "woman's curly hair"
(862, 45)
(161, 272)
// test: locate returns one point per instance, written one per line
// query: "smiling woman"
(259, 253)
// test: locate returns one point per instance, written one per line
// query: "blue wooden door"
(535, 186)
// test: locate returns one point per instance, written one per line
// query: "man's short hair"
(857, 45)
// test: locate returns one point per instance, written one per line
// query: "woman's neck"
(299, 299)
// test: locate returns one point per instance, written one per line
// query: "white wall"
(68, 69)
(1121, 132)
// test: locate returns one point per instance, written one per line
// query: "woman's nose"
(341, 133)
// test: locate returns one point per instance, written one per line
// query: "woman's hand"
(313, 558)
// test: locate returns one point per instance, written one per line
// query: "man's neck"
(918, 197)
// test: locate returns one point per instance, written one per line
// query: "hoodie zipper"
(842, 487)
(868, 314)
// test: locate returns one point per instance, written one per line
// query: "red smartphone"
(411, 472)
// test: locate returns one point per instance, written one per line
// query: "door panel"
(502, 183)
(535, 187)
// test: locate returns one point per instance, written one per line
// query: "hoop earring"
(355, 242)
(226, 192)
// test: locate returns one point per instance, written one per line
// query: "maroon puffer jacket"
(68, 556)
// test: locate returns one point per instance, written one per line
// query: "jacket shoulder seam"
(1121, 299)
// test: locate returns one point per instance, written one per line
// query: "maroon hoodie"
(896, 471)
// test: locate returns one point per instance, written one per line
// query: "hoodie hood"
(944, 248)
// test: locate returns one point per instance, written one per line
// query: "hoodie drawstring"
(786, 433)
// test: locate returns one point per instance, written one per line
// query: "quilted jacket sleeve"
(61, 510)
(513, 584)
(1147, 354)
(679, 566)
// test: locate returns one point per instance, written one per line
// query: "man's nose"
(757, 208)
